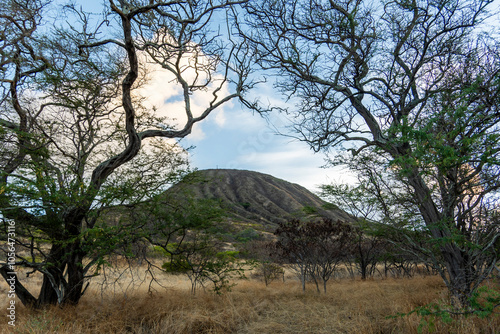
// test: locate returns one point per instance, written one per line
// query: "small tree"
(188, 233)
(368, 247)
(268, 264)
(204, 261)
(368, 244)
(293, 246)
(269, 272)
(316, 248)
(333, 243)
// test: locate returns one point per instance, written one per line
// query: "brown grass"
(349, 307)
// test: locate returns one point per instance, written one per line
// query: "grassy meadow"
(350, 306)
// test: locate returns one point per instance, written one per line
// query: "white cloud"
(291, 161)
(197, 133)
(235, 138)
(163, 92)
(220, 117)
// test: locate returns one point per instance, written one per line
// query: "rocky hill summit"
(253, 197)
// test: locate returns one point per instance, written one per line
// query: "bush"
(246, 235)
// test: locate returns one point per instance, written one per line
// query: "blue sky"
(248, 141)
(233, 137)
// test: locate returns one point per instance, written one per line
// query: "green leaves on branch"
(484, 303)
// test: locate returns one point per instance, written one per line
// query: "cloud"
(164, 93)
(232, 137)
(247, 141)
(291, 161)
(220, 117)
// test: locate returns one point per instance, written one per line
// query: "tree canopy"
(77, 132)
(414, 83)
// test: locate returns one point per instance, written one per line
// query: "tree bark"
(21, 292)
(75, 277)
(439, 227)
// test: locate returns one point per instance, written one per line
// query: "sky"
(235, 138)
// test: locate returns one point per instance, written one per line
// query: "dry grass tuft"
(349, 307)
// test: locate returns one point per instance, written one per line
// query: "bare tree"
(333, 241)
(369, 243)
(77, 134)
(293, 247)
(269, 265)
(315, 248)
(414, 81)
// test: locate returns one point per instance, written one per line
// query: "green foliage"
(170, 217)
(208, 265)
(177, 265)
(226, 266)
(247, 235)
(330, 206)
(161, 251)
(186, 231)
(309, 210)
(104, 240)
(483, 303)
(245, 205)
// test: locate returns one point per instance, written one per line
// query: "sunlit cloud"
(164, 94)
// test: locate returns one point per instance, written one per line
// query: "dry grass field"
(350, 306)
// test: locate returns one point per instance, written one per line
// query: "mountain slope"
(254, 197)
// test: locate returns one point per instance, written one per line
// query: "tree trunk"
(48, 294)
(455, 263)
(55, 289)
(74, 256)
(21, 292)
(303, 278)
(316, 282)
(362, 263)
(52, 278)
(363, 270)
(75, 279)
